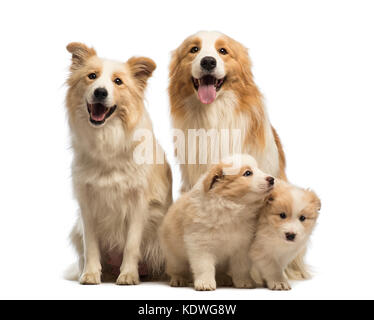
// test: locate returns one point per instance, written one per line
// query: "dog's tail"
(297, 269)
(72, 272)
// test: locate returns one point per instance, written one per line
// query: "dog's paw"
(244, 283)
(205, 285)
(90, 278)
(279, 285)
(178, 282)
(128, 279)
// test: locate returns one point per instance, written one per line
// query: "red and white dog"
(212, 87)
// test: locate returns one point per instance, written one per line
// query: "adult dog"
(122, 202)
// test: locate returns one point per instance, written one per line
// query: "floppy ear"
(141, 69)
(215, 174)
(80, 53)
(314, 200)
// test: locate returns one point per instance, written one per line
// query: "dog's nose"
(270, 180)
(290, 236)
(208, 63)
(100, 93)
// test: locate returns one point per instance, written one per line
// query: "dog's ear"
(314, 200)
(214, 175)
(141, 69)
(80, 53)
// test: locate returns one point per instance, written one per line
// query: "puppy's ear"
(215, 174)
(314, 200)
(141, 69)
(80, 53)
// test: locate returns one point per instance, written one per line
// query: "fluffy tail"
(72, 272)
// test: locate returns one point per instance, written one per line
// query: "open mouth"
(99, 113)
(207, 88)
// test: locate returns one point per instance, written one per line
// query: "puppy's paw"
(244, 283)
(205, 285)
(178, 282)
(128, 279)
(90, 278)
(279, 285)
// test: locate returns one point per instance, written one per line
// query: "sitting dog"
(285, 225)
(122, 202)
(210, 228)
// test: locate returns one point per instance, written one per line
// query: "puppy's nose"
(290, 236)
(100, 93)
(208, 63)
(270, 180)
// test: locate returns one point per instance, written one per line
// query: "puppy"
(285, 225)
(211, 86)
(210, 227)
(122, 203)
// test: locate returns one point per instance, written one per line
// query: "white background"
(313, 61)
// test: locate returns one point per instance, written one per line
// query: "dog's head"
(238, 178)
(291, 212)
(100, 89)
(208, 63)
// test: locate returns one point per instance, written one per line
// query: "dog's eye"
(302, 218)
(247, 173)
(223, 51)
(283, 215)
(118, 81)
(194, 49)
(92, 76)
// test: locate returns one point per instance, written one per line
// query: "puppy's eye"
(194, 49)
(223, 51)
(92, 76)
(247, 173)
(302, 218)
(283, 215)
(118, 81)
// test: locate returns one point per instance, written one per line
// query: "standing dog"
(122, 203)
(211, 86)
(209, 229)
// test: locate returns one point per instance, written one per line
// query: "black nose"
(270, 180)
(290, 236)
(101, 93)
(208, 63)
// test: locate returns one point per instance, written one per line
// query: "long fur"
(122, 203)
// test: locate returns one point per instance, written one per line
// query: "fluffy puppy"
(122, 202)
(285, 225)
(210, 228)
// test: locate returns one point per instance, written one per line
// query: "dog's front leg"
(129, 274)
(92, 267)
(239, 269)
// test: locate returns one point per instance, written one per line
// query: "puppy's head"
(291, 212)
(101, 89)
(206, 64)
(238, 179)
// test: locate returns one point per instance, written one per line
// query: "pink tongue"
(98, 117)
(207, 93)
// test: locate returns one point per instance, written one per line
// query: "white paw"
(279, 285)
(128, 279)
(90, 278)
(205, 285)
(178, 282)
